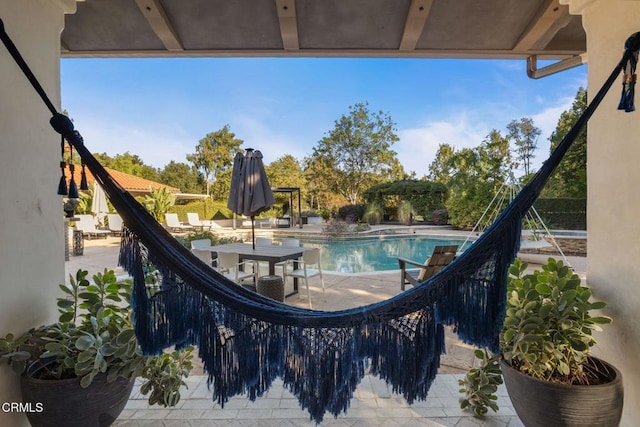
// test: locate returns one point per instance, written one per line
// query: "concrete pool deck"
(374, 404)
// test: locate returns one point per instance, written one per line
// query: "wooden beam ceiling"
(288, 24)
(550, 19)
(159, 22)
(414, 25)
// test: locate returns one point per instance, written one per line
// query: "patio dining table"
(271, 254)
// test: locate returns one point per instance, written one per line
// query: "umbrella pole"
(253, 232)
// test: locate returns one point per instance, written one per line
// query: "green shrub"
(374, 213)
(206, 209)
(351, 213)
(406, 213)
(198, 235)
(481, 383)
(439, 217)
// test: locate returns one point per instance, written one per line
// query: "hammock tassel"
(629, 76)
(73, 188)
(83, 179)
(62, 184)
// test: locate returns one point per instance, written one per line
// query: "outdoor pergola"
(290, 191)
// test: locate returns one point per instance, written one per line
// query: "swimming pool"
(375, 253)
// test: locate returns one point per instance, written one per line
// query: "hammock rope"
(246, 340)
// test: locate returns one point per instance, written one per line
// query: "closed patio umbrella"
(99, 207)
(250, 192)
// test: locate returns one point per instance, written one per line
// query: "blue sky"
(160, 108)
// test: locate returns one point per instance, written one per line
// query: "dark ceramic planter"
(545, 404)
(64, 403)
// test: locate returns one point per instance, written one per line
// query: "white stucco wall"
(613, 266)
(31, 240)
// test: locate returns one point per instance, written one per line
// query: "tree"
(214, 153)
(473, 176)
(128, 163)
(182, 176)
(525, 136)
(356, 153)
(286, 172)
(319, 187)
(158, 202)
(570, 178)
(495, 158)
(440, 169)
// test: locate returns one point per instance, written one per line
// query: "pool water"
(377, 253)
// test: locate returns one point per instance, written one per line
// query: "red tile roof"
(131, 183)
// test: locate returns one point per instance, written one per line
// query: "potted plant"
(69, 207)
(312, 216)
(81, 369)
(549, 373)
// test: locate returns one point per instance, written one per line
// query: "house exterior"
(31, 232)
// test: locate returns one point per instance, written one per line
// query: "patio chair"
(204, 255)
(201, 244)
(193, 219)
(174, 224)
(287, 243)
(288, 264)
(230, 266)
(115, 224)
(441, 256)
(302, 271)
(87, 224)
(262, 241)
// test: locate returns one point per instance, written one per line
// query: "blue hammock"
(246, 340)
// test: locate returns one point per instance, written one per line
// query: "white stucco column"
(613, 211)
(31, 219)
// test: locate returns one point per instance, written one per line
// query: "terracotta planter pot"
(65, 403)
(544, 404)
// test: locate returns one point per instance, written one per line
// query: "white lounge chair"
(115, 224)
(193, 219)
(174, 224)
(87, 224)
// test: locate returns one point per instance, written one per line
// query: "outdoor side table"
(78, 242)
(272, 287)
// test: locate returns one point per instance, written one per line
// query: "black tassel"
(62, 185)
(83, 180)
(629, 74)
(73, 188)
(628, 92)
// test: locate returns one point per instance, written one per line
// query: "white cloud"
(417, 147)
(272, 143)
(155, 146)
